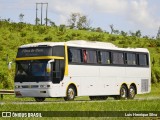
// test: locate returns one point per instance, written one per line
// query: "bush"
(49, 38)
(96, 37)
(155, 74)
(23, 34)
(42, 30)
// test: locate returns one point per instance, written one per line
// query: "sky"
(126, 15)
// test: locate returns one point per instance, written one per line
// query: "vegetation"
(145, 102)
(12, 35)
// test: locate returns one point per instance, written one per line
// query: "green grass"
(110, 105)
(144, 102)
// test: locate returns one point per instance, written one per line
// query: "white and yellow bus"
(81, 68)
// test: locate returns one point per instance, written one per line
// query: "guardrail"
(6, 92)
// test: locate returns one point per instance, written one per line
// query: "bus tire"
(71, 93)
(123, 92)
(39, 99)
(131, 92)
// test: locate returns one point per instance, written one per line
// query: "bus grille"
(144, 85)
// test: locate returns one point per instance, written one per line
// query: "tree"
(131, 33)
(37, 21)
(83, 22)
(21, 17)
(124, 34)
(52, 23)
(98, 29)
(138, 33)
(158, 34)
(46, 21)
(116, 32)
(73, 19)
(112, 29)
(78, 21)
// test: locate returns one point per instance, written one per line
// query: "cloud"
(140, 13)
(63, 9)
(111, 6)
(143, 14)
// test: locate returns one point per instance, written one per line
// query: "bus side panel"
(85, 77)
(141, 77)
(112, 78)
(97, 80)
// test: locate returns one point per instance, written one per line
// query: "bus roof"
(84, 44)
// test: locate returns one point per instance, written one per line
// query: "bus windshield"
(30, 71)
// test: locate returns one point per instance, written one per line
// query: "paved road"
(77, 101)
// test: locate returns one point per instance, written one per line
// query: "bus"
(81, 68)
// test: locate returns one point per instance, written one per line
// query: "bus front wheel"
(39, 99)
(71, 93)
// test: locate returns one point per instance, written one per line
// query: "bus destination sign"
(30, 52)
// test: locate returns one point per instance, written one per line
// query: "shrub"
(155, 75)
(49, 38)
(23, 34)
(96, 37)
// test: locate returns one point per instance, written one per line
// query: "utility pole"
(42, 12)
(158, 34)
(36, 13)
(46, 13)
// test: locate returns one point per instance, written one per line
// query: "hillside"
(13, 35)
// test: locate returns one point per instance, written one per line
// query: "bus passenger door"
(57, 71)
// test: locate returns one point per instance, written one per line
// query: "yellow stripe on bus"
(66, 61)
(40, 58)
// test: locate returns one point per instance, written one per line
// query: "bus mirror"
(9, 65)
(48, 69)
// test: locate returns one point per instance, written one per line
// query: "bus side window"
(74, 55)
(142, 59)
(84, 56)
(105, 57)
(118, 58)
(91, 56)
(99, 57)
(69, 55)
(131, 58)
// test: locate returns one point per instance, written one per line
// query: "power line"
(42, 12)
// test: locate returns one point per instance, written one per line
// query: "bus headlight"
(17, 86)
(44, 86)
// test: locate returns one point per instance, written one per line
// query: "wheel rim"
(71, 93)
(123, 92)
(132, 92)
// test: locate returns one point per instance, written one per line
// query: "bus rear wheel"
(132, 92)
(123, 93)
(71, 93)
(39, 99)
